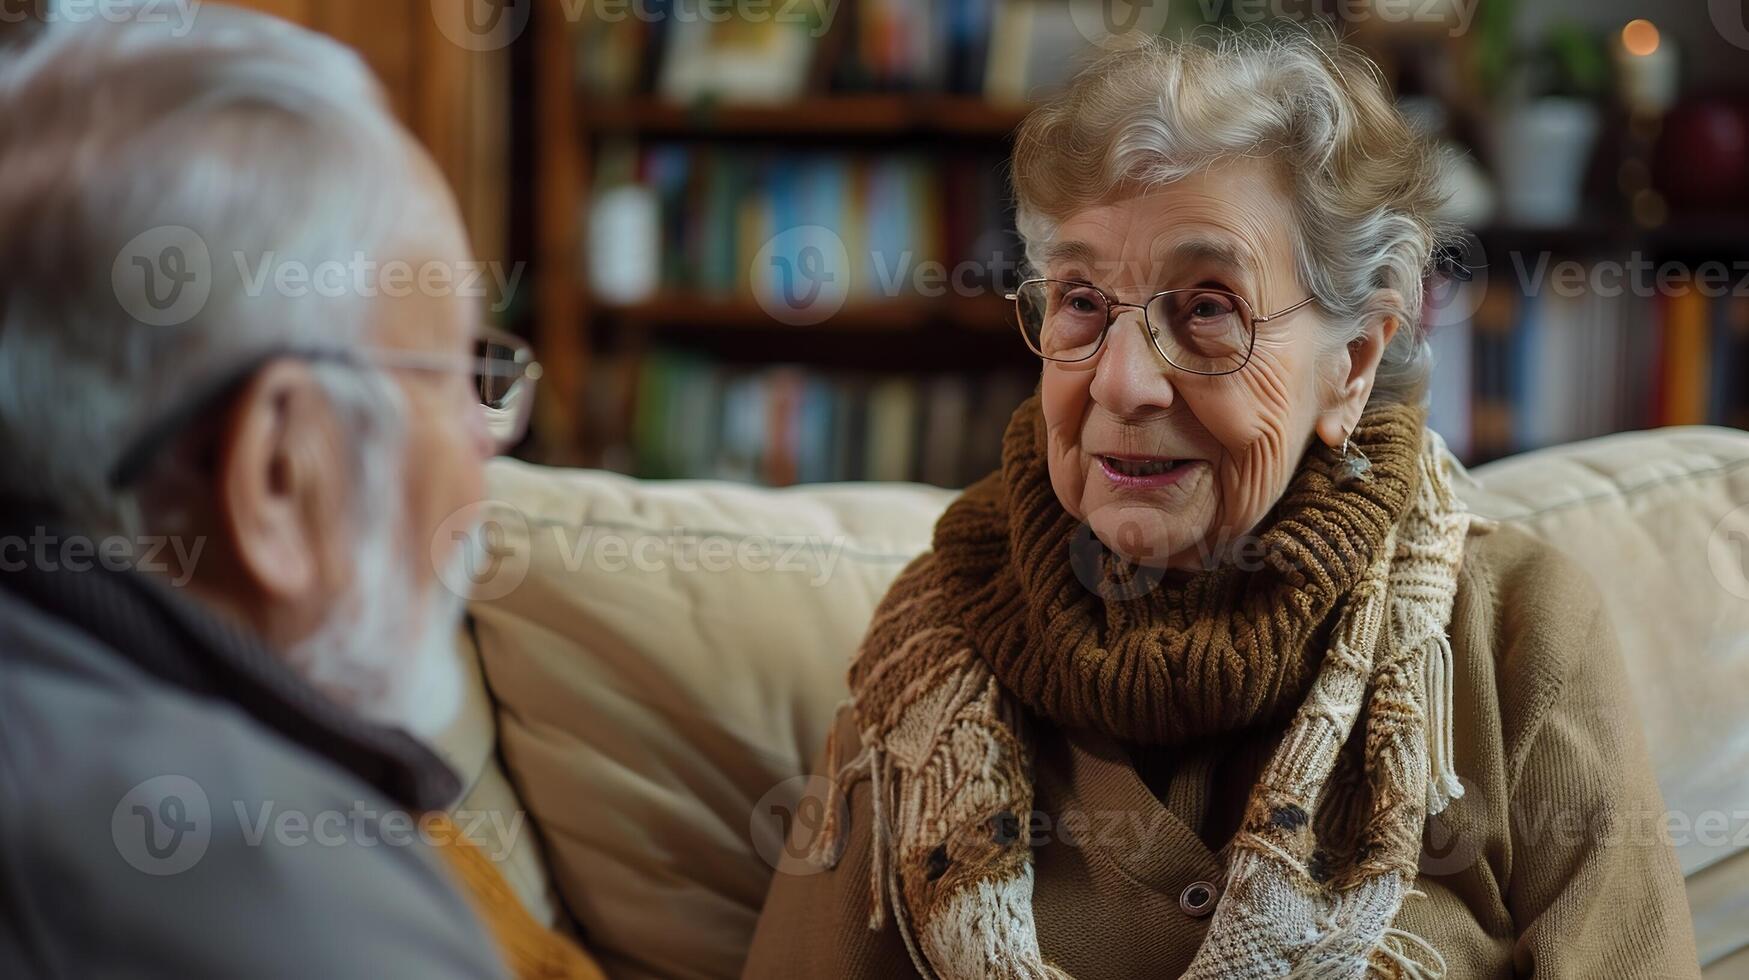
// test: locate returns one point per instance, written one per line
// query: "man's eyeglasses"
(1201, 330)
(503, 368)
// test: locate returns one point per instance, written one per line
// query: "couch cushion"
(666, 658)
(1661, 521)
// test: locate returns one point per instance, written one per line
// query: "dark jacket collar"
(147, 623)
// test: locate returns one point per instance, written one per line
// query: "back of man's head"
(191, 334)
(154, 175)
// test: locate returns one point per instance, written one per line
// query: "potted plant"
(1544, 100)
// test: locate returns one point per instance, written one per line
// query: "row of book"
(1517, 369)
(679, 51)
(1513, 371)
(1003, 50)
(898, 217)
(695, 418)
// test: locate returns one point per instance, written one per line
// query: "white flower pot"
(1541, 152)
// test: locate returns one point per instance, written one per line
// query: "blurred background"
(767, 240)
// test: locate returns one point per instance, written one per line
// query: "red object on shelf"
(1702, 158)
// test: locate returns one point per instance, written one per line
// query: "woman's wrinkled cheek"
(1251, 414)
(1064, 397)
(1068, 474)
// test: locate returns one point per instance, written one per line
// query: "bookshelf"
(600, 349)
(1521, 369)
(882, 116)
(979, 315)
(1649, 327)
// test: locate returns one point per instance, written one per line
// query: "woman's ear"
(1356, 367)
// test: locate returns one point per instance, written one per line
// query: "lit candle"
(1645, 61)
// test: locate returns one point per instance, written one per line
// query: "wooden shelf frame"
(872, 114)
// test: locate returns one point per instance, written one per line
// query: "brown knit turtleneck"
(1161, 659)
(1004, 617)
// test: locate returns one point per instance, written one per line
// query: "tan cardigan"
(1551, 865)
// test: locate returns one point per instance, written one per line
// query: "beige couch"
(657, 664)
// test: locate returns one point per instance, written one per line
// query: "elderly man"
(241, 419)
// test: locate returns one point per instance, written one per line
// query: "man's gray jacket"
(175, 802)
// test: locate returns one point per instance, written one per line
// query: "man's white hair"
(125, 152)
(130, 148)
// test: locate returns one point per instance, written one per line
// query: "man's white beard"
(387, 651)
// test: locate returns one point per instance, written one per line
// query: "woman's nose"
(1131, 378)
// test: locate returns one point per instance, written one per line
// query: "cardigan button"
(1198, 899)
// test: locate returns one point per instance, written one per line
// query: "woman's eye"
(1081, 303)
(1210, 307)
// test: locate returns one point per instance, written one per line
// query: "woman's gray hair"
(1364, 185)
(130, 154)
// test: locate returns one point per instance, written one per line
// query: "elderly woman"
(1181, 690)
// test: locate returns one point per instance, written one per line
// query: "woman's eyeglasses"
(1201, 330)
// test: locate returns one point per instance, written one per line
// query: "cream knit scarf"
(1017, 616)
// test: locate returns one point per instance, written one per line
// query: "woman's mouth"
(1145, 471)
